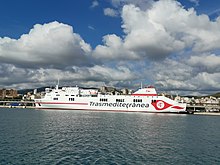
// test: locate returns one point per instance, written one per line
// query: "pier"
(207, 109)
(203, 108)
(17, 104)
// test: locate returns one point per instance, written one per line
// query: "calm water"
(30, 136)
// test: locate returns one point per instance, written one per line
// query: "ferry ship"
(75, 98)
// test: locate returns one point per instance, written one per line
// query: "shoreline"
(22, 107)
(207, 113)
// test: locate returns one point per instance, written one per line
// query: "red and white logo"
(160, 104)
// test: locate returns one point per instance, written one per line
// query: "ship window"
(120, 100)
(102, 99)
(66, 95)
(72, 95)
(57, 95)
(71, 99)
(137, 100)
(55, 98)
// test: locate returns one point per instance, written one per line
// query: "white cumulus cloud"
(163, 43)
(53, 44)
(164, 29)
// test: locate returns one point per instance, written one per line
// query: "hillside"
(216, 95)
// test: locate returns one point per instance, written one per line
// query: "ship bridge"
(147, 91)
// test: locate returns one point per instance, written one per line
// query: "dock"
(207, 109)
(17, 104)
(207, 113)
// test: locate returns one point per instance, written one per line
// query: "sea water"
(29, 136)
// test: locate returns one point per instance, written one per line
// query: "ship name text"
(127, 105)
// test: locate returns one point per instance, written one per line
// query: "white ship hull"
(72, 100)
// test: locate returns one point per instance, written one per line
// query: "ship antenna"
(57, 86)
(141, 85)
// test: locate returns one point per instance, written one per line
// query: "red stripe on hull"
(144, 94)
(61, 103)
(177, 107)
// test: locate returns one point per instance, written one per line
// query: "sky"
(171, 44)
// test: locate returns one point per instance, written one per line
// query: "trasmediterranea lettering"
(125, 105)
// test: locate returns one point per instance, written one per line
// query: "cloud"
(13, 76)
(49, 45)
(173, 75)
(196, 2)
(110, 12)
(142, 4)
(215, 13)
(175, 42)
(163, 44)
(144, 36)
(151, 33)
(206, 62)
(194, 31)
(110, 49)
(182, 77)
(91, 27)
(95, 3)
(207, 81)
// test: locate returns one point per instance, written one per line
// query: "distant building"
(8, 93)
(103, 89)
(2, 93)
(125, 91)
(107, 90)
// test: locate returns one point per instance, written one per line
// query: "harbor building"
(8, 93)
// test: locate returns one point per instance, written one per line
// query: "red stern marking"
(177, 107)
(161, 105)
